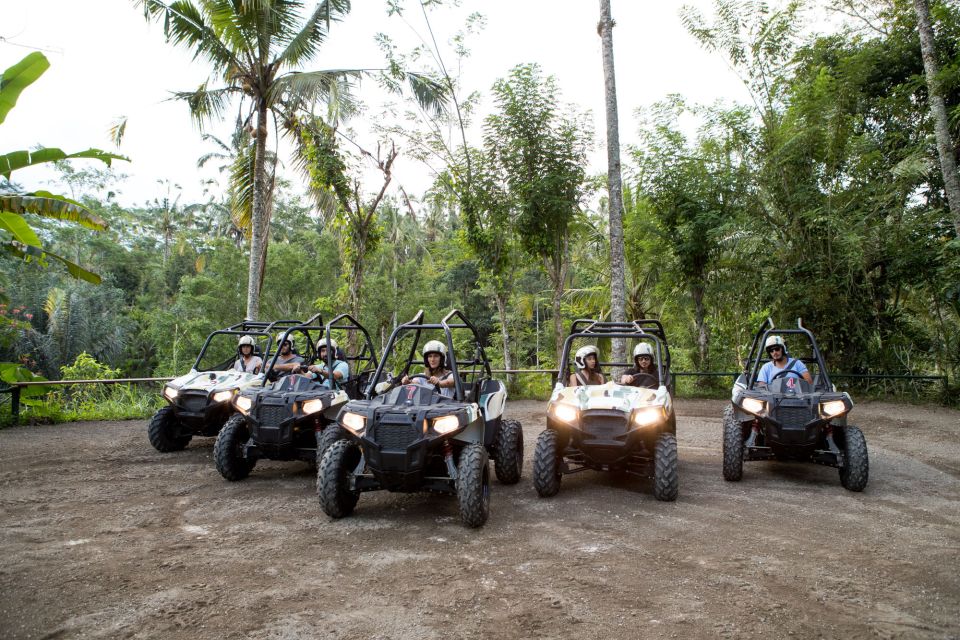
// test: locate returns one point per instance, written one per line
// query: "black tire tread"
(732, 447)
(856, 467)
(546, 474)
(333, 475)
(231, 466)
(666, 475)
(330, 434)
(508, 455)
(473, 497)
(159, 432)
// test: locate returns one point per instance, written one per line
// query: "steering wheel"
(644, 380)
(786, 372)
(425, 378)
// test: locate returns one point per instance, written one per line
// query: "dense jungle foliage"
(822, 198)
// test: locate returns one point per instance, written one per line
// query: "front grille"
(793, 417)
(396, 436)
(273, 414)
(604, 427)
(194, 403)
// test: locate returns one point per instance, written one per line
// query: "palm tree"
(938, 110)
(255, 49)
(614, 183)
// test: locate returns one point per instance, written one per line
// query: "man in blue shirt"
(777, 350)
(341, 370)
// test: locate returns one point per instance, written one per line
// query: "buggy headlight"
(446, 424)
(243, 403)
(354, 421)
(312, 406)
(753, 405)
(832, 408)
(565, 412)
(170, 393)
(223, 396)
(647, 416)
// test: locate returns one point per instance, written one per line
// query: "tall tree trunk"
(501, 300)
(259, 213)
(700, 320)
(614, 182)
(938, 109)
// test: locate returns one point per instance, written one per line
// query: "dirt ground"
(103, 537)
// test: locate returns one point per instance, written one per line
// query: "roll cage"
(644, 329)
(751, 368)
(246, 328)
(342, 322)
(455, 320)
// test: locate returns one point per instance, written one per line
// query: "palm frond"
(205, 104)
(305, 43)
(14, 160)
(29, 252)
(184, 24)
(49, 205)
(301, 89)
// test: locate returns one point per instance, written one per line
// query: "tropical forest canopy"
(821, 197)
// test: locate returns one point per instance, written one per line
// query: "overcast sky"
(107, 62)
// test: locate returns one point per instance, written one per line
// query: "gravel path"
(102, 537)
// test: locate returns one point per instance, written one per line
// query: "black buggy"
(411, 437)
(790, 418)
(611, 427)
(199, 401)
(293, 416)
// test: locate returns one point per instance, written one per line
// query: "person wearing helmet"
(780, 361)
(587, 361)
(435, 368)
(247, 362)
(644, 366)
(340, 371)
(288, 361)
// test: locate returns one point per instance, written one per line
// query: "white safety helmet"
(580, 359)
(642, 349)
(435, 346)
(246, 340)
(323, 343)
(281, 340)
(775, 341)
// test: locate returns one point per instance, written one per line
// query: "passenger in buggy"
(434, 369)
(588, 370)
(320, 371)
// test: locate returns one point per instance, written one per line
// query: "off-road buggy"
(411, 437)
(292, 416)
(611, 427)
(790, 418)
(199, 401)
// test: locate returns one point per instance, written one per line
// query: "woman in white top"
(247, 362)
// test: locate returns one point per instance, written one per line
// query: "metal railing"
(16, 388)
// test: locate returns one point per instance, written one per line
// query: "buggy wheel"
(856, 463)
(732, 447)
(508, 455)
(330, 434)
(546, 464)
(336, 497)
(228, 450)
(473, 485)
(666, 476)
(164, 432)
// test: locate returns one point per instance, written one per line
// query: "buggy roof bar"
(348, 322)
(417, 325)
(768, 328)
(632, 331)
